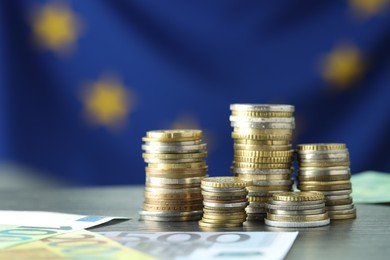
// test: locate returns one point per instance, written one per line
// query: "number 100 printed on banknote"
(208, 245)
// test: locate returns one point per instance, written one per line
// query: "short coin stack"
(176, 166)
(224, 200)
(325, 168)
(296, 210)
(262, 151)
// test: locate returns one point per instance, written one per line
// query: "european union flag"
(82, 81)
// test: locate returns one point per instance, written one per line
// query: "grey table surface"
(366, 237)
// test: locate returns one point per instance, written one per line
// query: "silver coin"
(295, 203)
(186, 160)
(262, 107)
(176, 143)
(302, 207)
(304, 224)
(256, 205)
(255, 210)
(320, 160)
(340, 207)
(217, 189)
(264, 193)
(170, 214)
(156, 180)
(325, 171)
(174, 149)
(223, 197)
(337, 192)
(167, 190)
(259, 125)
(272, 182)
(323, 156)
(262, 119)
(261, 171)
(337, 197)
(297, 212)
(305, 152)
(225, 205)
(341, 212)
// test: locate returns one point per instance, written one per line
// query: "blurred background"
(82, 81)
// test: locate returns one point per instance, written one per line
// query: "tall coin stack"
(176, 166)
(296, 210)
(262, 151)
(325, 168)
(224, 200)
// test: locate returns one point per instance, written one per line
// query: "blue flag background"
(82, 81)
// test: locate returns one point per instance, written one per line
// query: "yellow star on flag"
(367, 8)
(56, 27)
(343, 66)
(107, 102)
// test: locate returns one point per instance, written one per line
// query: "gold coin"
(224, 194)
(234, 200)
(174, 155)
(262, 165)
(261, 113)
(174, 135)
(155, 170)
(252, 153)
(298, 196)
(323, 164)
(179, 208)
(263, 142)
(269, 188)
(258, 199)
(268, 137)
(219, 225)
(225, 182)
(330, 187)
(222, 221)
(172, 195)
(338, 202)
(172, 186)
(338, 177)
(297, 218)
(191, 165)
(261, 148)
(175, 175)
(181, 202)
(222, 217)
(342, 216)
(263, 159)
(264, 177)
(325, 183)
(263, 131)
(321, 147)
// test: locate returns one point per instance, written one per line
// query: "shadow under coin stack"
(325, 168)
(296, 210)
(262, 151)
(176, 166)
(224, 200)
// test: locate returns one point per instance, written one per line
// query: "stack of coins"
(297, 209)
(176, 166)
(262, 151)
(325, 168)
(224, 200)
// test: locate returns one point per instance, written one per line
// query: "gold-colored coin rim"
(297, 218)
(260, 153)
(191, 165)
(267, 137)
(262, 165)
(321, 147)
(248, 113)
(165, 156)
(225, 182)
(298, 196)
(174, 134)
(263, 159)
